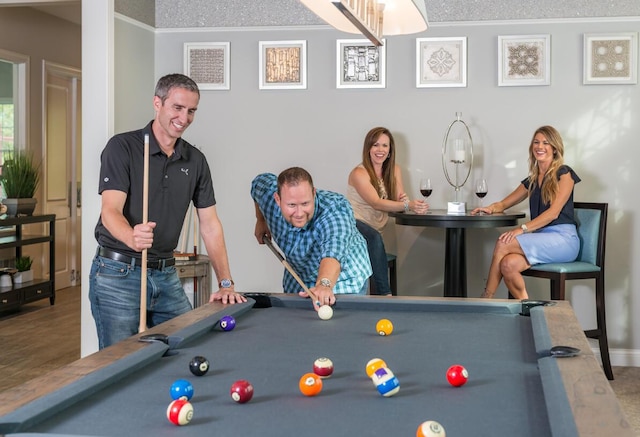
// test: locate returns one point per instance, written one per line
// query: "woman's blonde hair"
(389, 165)
(549, 188)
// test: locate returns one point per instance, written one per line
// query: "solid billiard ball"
(310, 384)
(199, 365)
(373, 365)
(241, 391)
(386, 382)
(323, 367)
(180, 412)
(325, 312)
(181, 388)
(227, 323)
(384, 327)
(430, 428)
(457, 375)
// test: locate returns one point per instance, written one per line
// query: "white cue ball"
(325, 312)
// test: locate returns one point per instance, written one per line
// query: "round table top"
(439, 218)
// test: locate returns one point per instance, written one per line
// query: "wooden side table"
(199, 269)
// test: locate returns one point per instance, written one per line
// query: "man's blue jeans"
(114, 292)
(378, 257)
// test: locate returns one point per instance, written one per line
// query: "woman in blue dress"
(550, 236)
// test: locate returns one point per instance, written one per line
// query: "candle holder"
(457, 151)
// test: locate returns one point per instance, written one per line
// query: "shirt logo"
(185, 171)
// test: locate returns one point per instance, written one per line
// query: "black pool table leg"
(455, 265)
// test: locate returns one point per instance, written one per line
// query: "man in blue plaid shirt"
(316, 231)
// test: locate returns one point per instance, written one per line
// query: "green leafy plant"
(20, 176)
(23, 263)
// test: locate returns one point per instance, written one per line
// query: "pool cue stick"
(145, 217)
(266, 240)
(195, 253)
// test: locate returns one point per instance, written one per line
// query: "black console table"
(19, 294)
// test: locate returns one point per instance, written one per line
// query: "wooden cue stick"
(287, 266)
(195, 253)
(145, 217)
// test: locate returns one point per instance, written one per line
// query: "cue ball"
(227, 323)
(384, 327)
(430, 428)
(323, 367)
(181, 388)
(373, 365)
(199, 365)
(180, 412)
(325, 312)
(241, 391)
(457, 375)
(310, 384)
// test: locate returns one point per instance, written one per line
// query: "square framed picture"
(524, 60)
(283, 65)
(610, 58)
(360, 64)
(207, 63)
(441, 62)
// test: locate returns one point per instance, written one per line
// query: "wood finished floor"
(39, 338)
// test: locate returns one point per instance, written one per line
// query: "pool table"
(515, 386)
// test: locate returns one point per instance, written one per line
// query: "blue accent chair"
(592, 230)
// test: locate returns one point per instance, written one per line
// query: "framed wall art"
(441, 62)
(610, 58)
(283, 65)
(207, 63)
(360, 64)
(524, 60)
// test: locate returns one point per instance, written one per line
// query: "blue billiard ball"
(181, 388)
(227, 323)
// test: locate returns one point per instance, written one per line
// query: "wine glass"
(481, 190)
(425, 187)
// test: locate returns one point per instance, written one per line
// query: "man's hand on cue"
(324, 296)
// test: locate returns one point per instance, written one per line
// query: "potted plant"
(20, 177)
(24, 274)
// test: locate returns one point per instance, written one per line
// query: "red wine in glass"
(481, 190)
(426, 192)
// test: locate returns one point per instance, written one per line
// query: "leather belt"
(156, 264)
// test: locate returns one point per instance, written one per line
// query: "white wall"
(245, 131)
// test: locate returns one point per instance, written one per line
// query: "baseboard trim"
(620, 357)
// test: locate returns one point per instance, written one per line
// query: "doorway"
(62, 153)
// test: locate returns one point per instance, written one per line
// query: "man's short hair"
(170, 81)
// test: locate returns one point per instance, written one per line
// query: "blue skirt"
(551, 244)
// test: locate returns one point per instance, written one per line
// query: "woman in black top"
(551, 235)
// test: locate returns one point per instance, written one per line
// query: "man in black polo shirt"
(178, 174)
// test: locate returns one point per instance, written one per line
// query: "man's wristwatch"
(225, 283)
(325, 282)
(524, 228)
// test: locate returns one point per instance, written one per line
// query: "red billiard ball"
(241, 391)
(180, 412)
(323, 367)
(310, 384)
(457, 375)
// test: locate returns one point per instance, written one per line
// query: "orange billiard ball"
(384, 327)
(310, 384)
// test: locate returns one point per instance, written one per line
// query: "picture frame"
(207, 63)
(360, 64)
(610, 58)
(282, 64)
(441, 62)
(524, 60)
